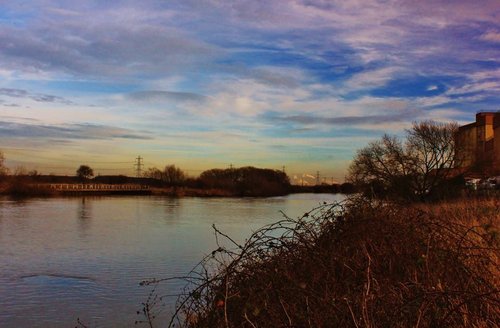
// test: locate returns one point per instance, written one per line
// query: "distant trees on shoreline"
(171, 175)
(244, 181)
(247, 181)
(3, 169)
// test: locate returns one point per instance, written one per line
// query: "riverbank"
(40, 191)
(360, 264)
(191, 192)
(22, 189)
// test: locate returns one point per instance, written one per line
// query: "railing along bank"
(92, 187)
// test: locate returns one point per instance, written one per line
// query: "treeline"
(343, 188)
(243, 181)
(247, 181)
(172, 180)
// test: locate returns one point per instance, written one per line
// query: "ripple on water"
(57, 280)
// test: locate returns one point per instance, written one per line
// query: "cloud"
(371, 78)
(492, 36)
(165, 96)
(366, 42)
(68, 131)
(479, 83)
(16, 119)
(277, 77)
(109, 42)
(350, 120)
(38, 97)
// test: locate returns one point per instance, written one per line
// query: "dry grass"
(357, 264)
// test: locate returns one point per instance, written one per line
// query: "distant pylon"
(317, 178)
(138, 166)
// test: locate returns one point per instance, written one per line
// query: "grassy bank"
(359, 264)
(21, 188)
(29, 190)
(191, 192)
(24, 189)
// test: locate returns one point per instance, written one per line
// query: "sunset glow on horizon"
(208, 84)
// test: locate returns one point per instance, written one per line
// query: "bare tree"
(153, 173)
(411, 168)
(3, 169)
(382, 160)
(20, 171)
(173, 175)
(431, 148)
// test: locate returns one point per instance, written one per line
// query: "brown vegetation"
(247, 181)
(23, 184)
(190, 192)
(360, 264)
(3, 168)
(171, 175)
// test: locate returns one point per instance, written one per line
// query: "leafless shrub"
(357, 264)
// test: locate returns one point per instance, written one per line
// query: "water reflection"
(84, 217)
(172, 210)
(12, 208)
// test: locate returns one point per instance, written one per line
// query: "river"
(83, 257)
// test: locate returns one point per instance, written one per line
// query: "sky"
(208, 84)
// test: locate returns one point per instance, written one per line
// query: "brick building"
(478, 145)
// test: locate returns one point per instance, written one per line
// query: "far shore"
(245, 181)
(27, 190)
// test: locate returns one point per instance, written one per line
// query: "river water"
(83, 257)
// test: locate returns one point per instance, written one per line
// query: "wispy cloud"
(491, 35)
(165, 96)
(68, 131)
(108, 42)
(370, 79)
(21, 93)
(406, 116)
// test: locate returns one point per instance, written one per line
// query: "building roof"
(467, 126)
(488, 113)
